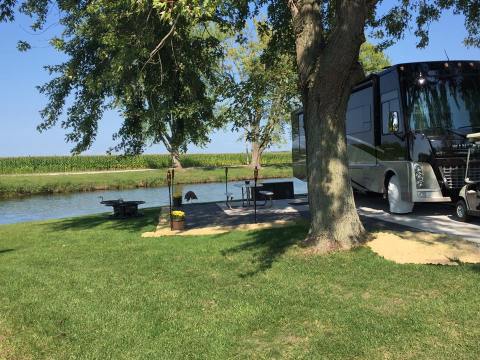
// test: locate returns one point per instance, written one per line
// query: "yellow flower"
(178, 214)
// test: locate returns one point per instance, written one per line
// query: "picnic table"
(123, 209)
(247, 193)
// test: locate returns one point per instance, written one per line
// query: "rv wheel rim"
(460, 211)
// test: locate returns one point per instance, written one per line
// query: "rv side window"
(359, 120)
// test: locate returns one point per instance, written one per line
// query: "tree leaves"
(261, 95)
(23, 46)
(418, 15)
(166, 95)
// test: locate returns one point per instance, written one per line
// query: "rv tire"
(395, 202)
(461, 211)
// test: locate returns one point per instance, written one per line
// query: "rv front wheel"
(461, 210)
(395, 202)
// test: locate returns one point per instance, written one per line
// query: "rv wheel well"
(388, 176)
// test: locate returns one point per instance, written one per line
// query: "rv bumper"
(427, 195)
(425, 186)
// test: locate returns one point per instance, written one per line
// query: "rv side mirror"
(393, 122)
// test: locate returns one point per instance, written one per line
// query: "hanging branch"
(162, 42)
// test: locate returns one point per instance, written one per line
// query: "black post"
(255, 176)
(169, 183)
(173, 182)
(226, 183)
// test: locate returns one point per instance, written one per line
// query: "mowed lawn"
(90, 288)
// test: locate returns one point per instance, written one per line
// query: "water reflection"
(57, 206)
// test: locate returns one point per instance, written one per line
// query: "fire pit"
(123, 209)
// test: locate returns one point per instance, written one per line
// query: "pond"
(55, 206)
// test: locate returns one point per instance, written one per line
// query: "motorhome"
(406, 132)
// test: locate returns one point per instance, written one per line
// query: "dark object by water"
(190, 195)
(281, 190)
(123, 209)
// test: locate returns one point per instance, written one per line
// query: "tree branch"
(162, 42)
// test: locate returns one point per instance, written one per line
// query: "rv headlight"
(418, 171)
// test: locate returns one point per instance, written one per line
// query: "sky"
(20, 101)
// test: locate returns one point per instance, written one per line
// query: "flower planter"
(178, 224)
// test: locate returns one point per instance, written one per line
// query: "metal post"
(169, 183)
(226, 183)
(255, 176)
(173, 182)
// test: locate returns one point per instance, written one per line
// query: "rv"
(406, 132)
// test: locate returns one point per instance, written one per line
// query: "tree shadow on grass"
(267, 246)
(107, 222)
(474, 267)
(2, 251)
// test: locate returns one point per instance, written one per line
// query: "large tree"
(158, 66)
(325, 37)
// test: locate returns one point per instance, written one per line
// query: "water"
(55, 206)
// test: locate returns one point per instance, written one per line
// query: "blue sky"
(21, 72)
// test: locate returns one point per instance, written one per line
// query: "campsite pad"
(212, 218)
(395, 242)
(278, 207)
(424, 248)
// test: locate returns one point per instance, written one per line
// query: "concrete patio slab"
(434, 218)
(278, 207)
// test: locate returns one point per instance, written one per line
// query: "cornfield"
(47, 164)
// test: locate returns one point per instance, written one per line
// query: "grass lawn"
(94, 289)
(18, 185)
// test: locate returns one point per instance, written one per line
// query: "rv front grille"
(454, 176)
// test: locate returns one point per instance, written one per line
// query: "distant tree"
(261, 97)
(264, 95)
(372, 59)
(155, 64)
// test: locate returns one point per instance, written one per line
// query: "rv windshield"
(442, 97)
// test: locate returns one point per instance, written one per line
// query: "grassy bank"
(21, 185)
(46, 164)
(92, 288)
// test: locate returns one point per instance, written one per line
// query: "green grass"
(19, 185)
(92, 288)
(45, 164)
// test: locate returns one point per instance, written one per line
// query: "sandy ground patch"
(163, 230)
(424, 248)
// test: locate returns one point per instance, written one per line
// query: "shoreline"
(21, 186)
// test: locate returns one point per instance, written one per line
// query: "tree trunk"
(176, 159)
(257, 152)
(328, 68)
(334, 219)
